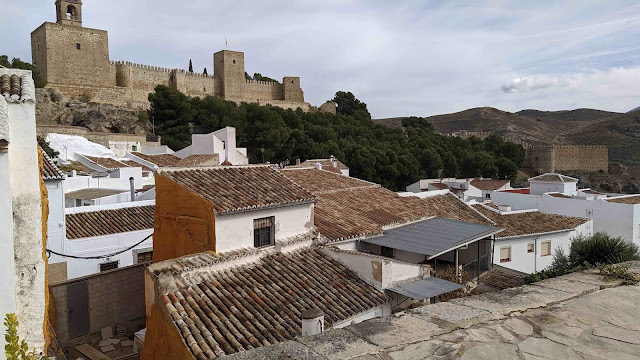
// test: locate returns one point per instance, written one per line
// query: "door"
(78, 306)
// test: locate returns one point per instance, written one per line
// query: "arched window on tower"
(72, 13)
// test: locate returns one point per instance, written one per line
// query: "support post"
(455, 260)
(478, 262)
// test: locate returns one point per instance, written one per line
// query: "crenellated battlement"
(554, 158)
(140, 66)
(258, 82)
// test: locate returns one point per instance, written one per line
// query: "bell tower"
(69, 12)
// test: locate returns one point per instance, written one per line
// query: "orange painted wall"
(184, 223)
(49, 309)
(162, 340)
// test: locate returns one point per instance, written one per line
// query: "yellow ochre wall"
(163, 341)
(184, 223)
(49, 310)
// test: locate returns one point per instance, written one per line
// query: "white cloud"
(530, 83)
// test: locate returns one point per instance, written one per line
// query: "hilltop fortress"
(75, 60)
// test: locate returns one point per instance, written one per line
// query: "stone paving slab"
(577, 288)
(338, 344)
(453, 314)
(515, 299)
(386, 331)
(284, 350)
(591, 278)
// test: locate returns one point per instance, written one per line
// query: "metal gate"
(78, 305)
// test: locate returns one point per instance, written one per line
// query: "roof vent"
(312, 321)
(318, 166)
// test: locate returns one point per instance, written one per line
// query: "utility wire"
(99, 256)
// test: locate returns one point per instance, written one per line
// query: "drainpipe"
(535, 254)
(132, 189)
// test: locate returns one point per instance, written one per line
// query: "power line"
(99, 256)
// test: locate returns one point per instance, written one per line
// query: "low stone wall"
(115, 296)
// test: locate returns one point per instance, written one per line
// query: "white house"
(331, 164)
(466, 189)
(530, 237)
(221, 142)
(22, 264)
(617, 216)
(551, 182)
(97, 231)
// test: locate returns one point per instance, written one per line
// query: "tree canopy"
(394, 158)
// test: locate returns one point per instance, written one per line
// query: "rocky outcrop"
(53, 108)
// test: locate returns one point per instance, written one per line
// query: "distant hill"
(619, 131)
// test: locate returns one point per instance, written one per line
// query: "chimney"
(132, 189)
(298, 161)
(318, 166)
(504, 208)
(312, 321)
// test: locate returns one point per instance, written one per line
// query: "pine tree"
(190, 66)
(205, 71)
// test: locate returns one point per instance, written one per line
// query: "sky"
(400, 57)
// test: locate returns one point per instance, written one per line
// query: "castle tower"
(69, 12)
(68, 54)
(228, 70)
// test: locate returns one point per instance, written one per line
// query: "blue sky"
(401, 58)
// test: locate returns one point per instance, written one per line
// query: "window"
(263, 232)
(145, 257)
(386, 251)
(234, 61)
(78, 46)
(545, 248)
(134, 148)
(487, 195)
(108, 266)
(78, 202)
(531, 247)
(505, 254)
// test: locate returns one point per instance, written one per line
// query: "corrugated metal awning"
(425, 288)
(433, 237)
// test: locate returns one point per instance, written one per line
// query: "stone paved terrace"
(577, 316)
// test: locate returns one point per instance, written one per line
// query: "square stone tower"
(228, 70)
(67, 53)
(69, 12)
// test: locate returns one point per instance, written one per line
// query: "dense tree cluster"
(16, 63)
(258, 77)
(391, 157)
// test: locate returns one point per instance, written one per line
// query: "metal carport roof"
(425, 288)
(433, 237)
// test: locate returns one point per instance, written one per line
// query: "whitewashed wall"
(56, 220)
(539, 188)
(106, 200)
(529, 263)
(235, 231)
(101, 245)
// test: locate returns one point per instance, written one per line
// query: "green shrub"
(601, 249)
(16, 349)
(620, 272)
(85, 97)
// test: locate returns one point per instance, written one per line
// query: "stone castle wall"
(567, 158)
(96, 137)
(265, 90)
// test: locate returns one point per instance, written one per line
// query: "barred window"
(108, 266)
(263, 232)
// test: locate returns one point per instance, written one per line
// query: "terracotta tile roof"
(78, 167)
(449, 206)
(440, 186)
(260, 304)
(488, 184)
(199, 160)
(49, 170)
(559, 195)
(553, 177)
(226, 163)
(92, 193)
(160, 160)
(106, 222)
(106, 162)
(501, 278)
(17, 85)
(590, 191)
(530, 222)
(518, 191)
(132, 163)
(326, 163)
(632, 200)
(240, 187)
(322, 181)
